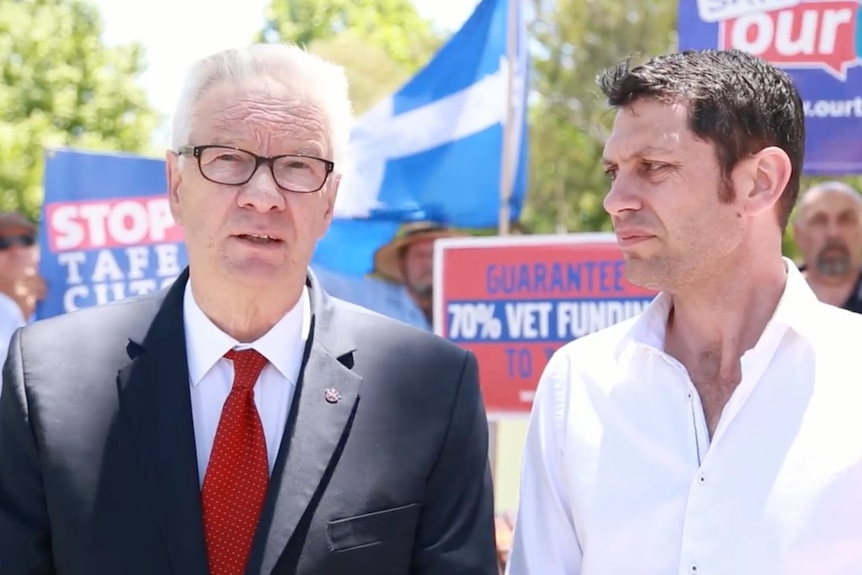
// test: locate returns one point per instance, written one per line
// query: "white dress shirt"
(11, 319)
(620, 475)
(211, 375)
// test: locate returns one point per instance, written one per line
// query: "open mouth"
(260, 239)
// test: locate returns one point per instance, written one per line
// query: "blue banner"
(435, 148)
(107, 232)
(819, 43)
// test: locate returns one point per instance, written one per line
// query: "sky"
(177, 32)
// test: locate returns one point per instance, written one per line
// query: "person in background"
(719, 431)
(401, 285)
(21, 286)
(242, 420)
(504, 523)
(827, 228)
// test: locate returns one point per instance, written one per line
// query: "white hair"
(310, 79)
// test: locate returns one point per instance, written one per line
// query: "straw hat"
(387, 259)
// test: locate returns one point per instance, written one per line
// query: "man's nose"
(262, 193)
(833, 230)
(622, 197)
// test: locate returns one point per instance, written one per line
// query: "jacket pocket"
(371, 529)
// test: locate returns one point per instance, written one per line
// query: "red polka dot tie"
(237, 474)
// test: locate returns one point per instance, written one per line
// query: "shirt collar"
(797, 310)
(206, 343)
(9, 308)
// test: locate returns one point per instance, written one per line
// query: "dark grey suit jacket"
(98, 472)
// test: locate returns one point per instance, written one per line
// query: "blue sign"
(819, 43)
(107, 232)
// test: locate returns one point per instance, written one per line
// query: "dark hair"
(737, 101)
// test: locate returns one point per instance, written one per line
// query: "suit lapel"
(154, 397)
(322, 408)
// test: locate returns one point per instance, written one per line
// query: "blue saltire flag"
(434, 149)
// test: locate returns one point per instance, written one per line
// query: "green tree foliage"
(574, 41)
(381, 43)
(61, 86)
(372, 74)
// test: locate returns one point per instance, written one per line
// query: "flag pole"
(508, 166)
(507, 163)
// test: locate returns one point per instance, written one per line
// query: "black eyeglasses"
(234, 167)
(7, 242)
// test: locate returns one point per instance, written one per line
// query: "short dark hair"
(737, 101)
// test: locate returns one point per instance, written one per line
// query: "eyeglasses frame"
(196, 151)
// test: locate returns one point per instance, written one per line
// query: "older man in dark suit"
(244, 422)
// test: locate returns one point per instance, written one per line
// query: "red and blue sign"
(513, 301)
(819, 43)
(107, 232)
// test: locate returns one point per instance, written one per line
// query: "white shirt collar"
(797, 310)
(206, 343)
(10, 309)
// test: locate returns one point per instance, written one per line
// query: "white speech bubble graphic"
(718, 10)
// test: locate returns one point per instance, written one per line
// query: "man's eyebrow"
(307, 150)
(644, 151)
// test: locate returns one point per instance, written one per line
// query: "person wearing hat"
(401, 284)
(21, 287)
(408, 262)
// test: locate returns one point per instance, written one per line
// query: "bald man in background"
(828, 231)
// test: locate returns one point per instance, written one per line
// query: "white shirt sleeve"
(11, 319)
(545, 541)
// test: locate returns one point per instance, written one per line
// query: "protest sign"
(514, 300)
(107, 232)
(819, 43)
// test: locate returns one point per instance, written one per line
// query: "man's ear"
(174, 178)
(761, 179)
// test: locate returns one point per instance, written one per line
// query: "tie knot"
(247, 365)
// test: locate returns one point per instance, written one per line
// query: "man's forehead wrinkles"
(278, 130)
(269, 122)
(246, 107)
(308, 140)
